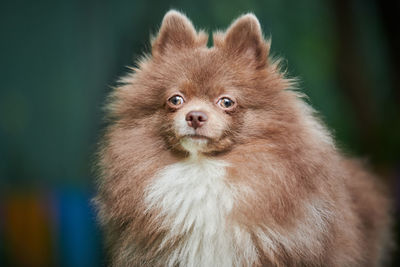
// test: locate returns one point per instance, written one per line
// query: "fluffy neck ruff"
(194, 202)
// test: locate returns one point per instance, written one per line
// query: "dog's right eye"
(176, 100)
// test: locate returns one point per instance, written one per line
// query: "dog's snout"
(196, 119)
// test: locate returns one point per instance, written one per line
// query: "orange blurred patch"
(27, 230)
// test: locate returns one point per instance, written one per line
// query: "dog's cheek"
(219, 123)
(179, 123)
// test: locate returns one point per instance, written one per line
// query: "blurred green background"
(59, 59)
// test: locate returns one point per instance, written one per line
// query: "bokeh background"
(59, 59)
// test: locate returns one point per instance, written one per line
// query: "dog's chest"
(195, 201)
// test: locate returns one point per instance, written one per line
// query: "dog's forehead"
(205, 69)
(203, 61)
(203, 72)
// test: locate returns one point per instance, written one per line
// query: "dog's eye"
(226, 102)
(176, 100)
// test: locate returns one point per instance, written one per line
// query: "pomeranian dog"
(211, 159)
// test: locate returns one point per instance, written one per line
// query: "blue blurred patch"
(78, 235)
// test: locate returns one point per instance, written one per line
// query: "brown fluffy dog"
(211, 160)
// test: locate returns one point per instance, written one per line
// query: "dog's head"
(206, 99)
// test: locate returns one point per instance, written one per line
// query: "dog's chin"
(195, 144)
(202, 145)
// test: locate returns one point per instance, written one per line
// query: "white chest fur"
(195, 201)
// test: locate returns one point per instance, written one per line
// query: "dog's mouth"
(194, 143)
(197, 137)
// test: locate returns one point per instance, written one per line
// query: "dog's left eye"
(176, 100)
(226, 102)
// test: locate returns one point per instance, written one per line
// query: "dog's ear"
(244, 38)
(176, 32)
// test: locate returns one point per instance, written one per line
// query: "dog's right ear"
(176, 32)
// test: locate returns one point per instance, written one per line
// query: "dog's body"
(210, 160)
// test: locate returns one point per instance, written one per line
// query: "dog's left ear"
(176, 32)
(244, 38)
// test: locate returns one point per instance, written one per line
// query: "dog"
(211, 158)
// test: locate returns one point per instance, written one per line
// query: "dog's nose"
(196, 119)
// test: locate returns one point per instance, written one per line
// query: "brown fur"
(276, 149)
